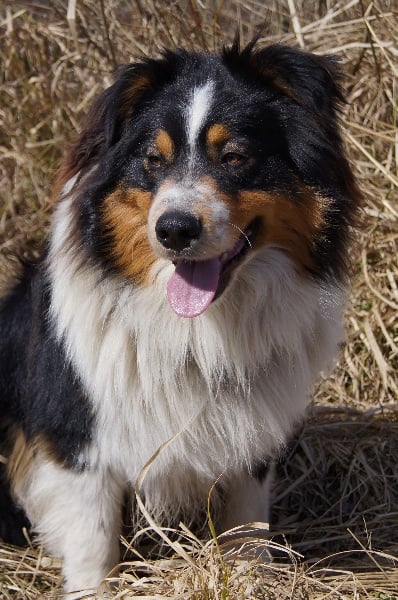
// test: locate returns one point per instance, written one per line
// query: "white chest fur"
(228, 384)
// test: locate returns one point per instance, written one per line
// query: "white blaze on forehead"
(197, 111)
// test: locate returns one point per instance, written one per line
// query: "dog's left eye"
(233, 159)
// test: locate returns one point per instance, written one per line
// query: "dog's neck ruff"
(259, 345)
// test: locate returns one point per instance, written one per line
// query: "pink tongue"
(192, 287)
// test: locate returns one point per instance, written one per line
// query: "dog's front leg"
(248, 498)
(76, 515)
(91, 547)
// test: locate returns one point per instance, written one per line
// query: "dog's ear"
(111, 112)
(311, 80)
(103, 124)
(308, 96)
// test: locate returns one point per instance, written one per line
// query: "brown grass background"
(335, 518)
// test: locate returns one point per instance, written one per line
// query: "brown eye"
(232, 159)
(154, 160)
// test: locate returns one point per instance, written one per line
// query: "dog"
(191, 290)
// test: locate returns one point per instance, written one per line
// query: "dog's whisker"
(242, 233)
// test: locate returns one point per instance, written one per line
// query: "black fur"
(13, 519)
(39, 390)
(39, 393)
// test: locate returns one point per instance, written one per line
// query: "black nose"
(176, 230)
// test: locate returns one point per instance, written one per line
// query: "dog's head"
(205, 160)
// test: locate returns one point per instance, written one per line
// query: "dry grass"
(336, 509)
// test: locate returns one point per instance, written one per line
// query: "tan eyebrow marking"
(217, 134)
(165, 145)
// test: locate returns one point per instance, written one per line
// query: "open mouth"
(195, 284)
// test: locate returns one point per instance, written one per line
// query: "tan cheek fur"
(125, 216)
(286, 224)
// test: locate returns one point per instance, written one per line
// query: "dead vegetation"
(335, 531)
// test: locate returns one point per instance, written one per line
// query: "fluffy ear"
(114, 108)
(104, 121)
(311, 80)
(310, 84)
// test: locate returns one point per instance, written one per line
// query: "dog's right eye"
(154, 160)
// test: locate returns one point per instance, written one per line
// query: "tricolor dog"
(192, 288)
